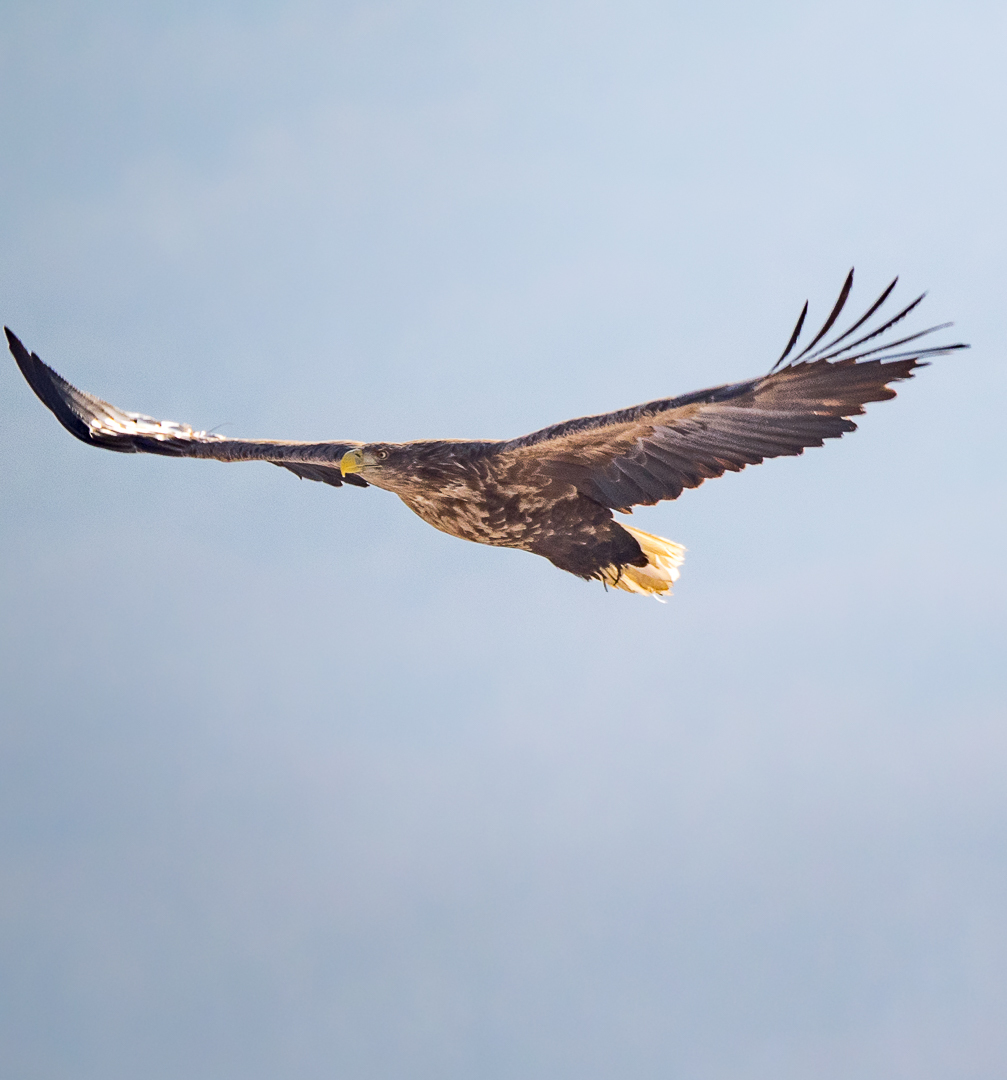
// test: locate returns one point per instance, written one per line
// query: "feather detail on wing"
(652, 452)
(98, 423)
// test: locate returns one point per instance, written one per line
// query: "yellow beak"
(352, 461)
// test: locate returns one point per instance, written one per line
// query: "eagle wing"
(651, 452)
(98, 423)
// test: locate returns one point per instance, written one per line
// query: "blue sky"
(292, 784)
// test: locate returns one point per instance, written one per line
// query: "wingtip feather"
(793, 337)
(844, 294)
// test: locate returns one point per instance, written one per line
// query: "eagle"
(554, 492)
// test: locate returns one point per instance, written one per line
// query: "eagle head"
(362, 459)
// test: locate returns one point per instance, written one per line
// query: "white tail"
(664, 557)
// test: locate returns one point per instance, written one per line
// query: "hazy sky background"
(293, 785)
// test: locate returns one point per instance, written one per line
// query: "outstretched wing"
(98, 423)
(651, 452)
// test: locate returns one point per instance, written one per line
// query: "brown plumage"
(553, 492)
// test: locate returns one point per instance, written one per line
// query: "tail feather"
(664, 557)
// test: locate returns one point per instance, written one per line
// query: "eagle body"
(479, 491)
(554, 492)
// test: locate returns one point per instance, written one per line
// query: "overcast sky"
(292, 785)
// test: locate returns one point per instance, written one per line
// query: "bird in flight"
(554, 492)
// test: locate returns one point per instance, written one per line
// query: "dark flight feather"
(793, 337)
(901, 341)
(919, 354)
(875, 333)
(860, 322)
(837, 309)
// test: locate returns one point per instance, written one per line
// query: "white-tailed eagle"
(553, 492)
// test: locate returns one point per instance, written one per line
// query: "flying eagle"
(553, 492)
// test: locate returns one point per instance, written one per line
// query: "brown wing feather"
(682, 446)
(98, 423)
(651, 452)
